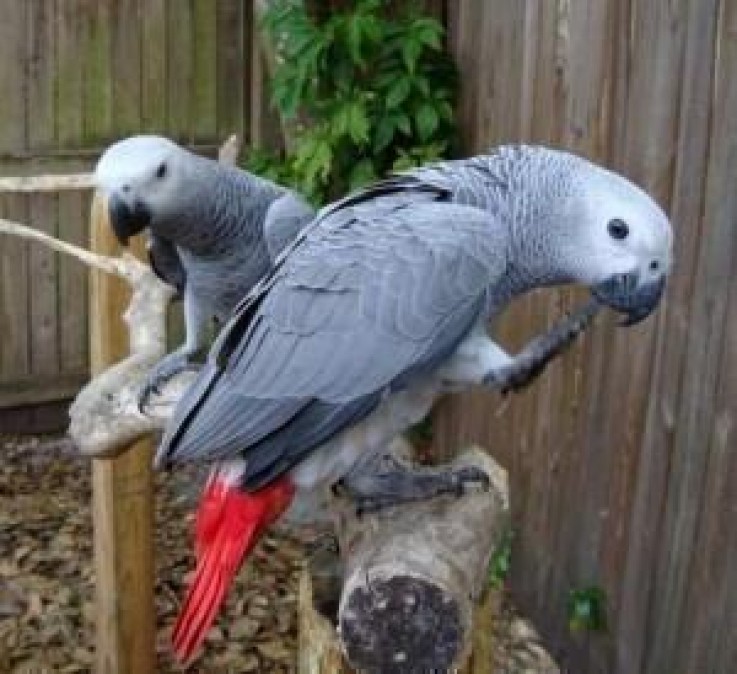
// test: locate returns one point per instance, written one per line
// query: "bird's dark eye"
(161, 171)
(618, 229)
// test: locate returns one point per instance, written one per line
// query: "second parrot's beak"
(127, 220)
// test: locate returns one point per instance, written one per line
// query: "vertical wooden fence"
(622, 458)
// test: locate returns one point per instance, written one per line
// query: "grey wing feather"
(376, 294)
(284, 220)
(166, 262)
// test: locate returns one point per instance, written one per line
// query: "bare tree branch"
(117, 266)
(49, 183)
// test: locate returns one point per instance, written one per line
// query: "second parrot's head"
(142, 177)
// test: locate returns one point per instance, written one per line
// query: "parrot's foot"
(531, 361)
(167, 368)
(384, 482)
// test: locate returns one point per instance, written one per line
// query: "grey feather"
(284, 219)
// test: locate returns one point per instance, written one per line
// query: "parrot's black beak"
(625, 293)
(127, 221)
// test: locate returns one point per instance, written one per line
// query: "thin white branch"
(111, 265)
(104, 418)
(48, 183)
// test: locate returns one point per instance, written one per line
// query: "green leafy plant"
(587, 609)
(501, 560)
(364, 91)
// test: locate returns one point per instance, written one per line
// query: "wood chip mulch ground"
(46, 577)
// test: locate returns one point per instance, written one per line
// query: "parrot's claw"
(167, 368)
(396, 484)
(536, 355)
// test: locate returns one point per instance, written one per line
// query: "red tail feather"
(229, 524)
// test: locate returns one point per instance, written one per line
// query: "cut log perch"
(413, 577)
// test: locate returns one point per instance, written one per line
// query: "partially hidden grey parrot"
(214, 230)
(379, 305)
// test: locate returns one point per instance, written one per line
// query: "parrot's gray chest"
(219, 283)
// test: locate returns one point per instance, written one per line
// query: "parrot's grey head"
(143, 178)
(612, 237)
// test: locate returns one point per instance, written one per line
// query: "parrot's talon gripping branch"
(164, 371)
(384, 481)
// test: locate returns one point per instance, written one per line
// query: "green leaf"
(446, 111)
(403, 162)
(427, 31)
(358, 124)
(364, 81)
(384, 133)
(411, 51)
(363, 172)
(398, 92)
(351, 120)
(422, 84)
(354, 35)
(403, 123)
(427, 121)
(587, 609)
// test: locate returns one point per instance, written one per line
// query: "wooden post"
(122, 495)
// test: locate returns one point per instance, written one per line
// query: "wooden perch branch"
(105, 416)
(407, 585)
(120, 267)
(50, 183)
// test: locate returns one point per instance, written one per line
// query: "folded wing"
(375, 294)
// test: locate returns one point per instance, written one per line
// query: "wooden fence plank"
(73, 207)
(95, 55)
(179, 74)
(14, 355)
(234, 33)
(204, 71)
(42, 263)
(153, 66)
(126, 66)
(14, 298)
